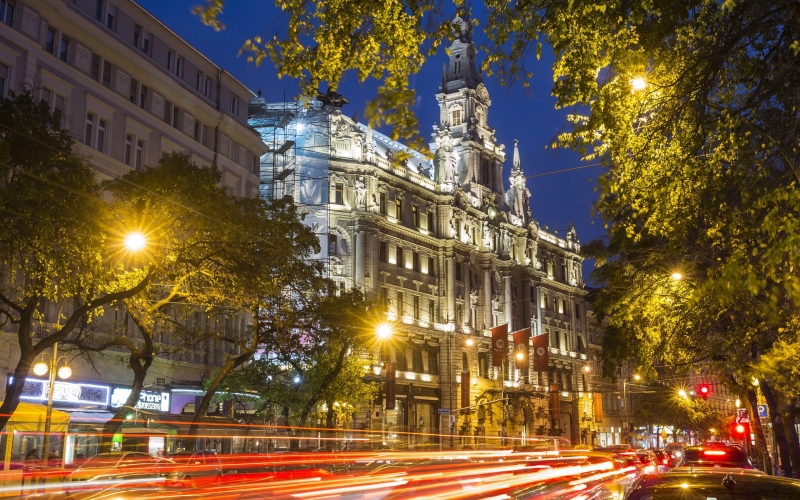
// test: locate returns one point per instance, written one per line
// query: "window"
(96, 61)
(340, 288)
(400, 258)
(111, 18)
(332, 244)
(175, 116)
(134, 151)
(416, 359)
(171, 60)
(98, 10)
(433, 361)
(398, 208)
(107, 74)
(382, 203)
(179, 66)
(431, 310)
(456, 117)
(416, 307)
(384, 297)
(415, 215)
(137, 36)
(430, 221)
(459, 271)
(561, 306)
(543, 301)
(430, 265)
(400, 308)
(415, 261)
(198, 131)
(46, 95)
(7, 11)
(199, 83)
(100, 143)
(134, 92)
(143, 97)
(60, 110)
(50, 43)
(483, 365)
(234, 104)
(563, 273)
(88, 136)
(207, 88)
(63, 50)
(167, 111)
(339, 197)
(382, 251)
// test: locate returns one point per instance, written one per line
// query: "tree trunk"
(285, 415)
(28, 353)
(140, 362)
(778, 429)
(786, 405)
(751, 403)
(330, 425)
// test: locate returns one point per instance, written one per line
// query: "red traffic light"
(740, 429)
(704, 390)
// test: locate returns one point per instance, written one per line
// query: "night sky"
(529, 116)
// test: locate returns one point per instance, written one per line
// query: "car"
(675, 451)
(713, 483)
(648, 460)
(194, 468)
(664, 460)
(727, 456)
(121, 465)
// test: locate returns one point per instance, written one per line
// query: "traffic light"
(740, 429)
(704, 390)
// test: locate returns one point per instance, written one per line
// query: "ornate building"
(448, 250)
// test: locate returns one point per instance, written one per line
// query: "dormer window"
(456, 117)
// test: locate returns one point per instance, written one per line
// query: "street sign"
(444, 411)
(763, 411)
(741, 416)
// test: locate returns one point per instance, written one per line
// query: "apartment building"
(129, 90)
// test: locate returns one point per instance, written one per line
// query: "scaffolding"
(297, 162)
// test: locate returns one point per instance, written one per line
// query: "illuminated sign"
(148, 400)
(65, 392)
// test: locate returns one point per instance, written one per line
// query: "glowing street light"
(470, 342)
(637, 377)
(520, 356)
(384, 331)
(738, 402)
(682, 393)
(586, 368)
(135, 242)
(638, 83)
(676, 276)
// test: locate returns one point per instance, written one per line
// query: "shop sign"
(148, 400)
(65, 392)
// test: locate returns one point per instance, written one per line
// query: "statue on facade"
(473, 297)
(310, 191)
(374, 206)
(487, 236)
(497, 304)
(518, 196)
(446, 159)
(361, 193)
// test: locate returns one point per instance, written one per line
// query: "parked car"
(121, 465)
(194, 468)
(717, 483)
(729, 456)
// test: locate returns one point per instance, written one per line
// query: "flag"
(521, 349)
(499, 344)
(541, 352)
(598, 407)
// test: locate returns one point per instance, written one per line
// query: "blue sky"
(529, 116)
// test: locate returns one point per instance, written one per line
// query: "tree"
(321, 359)
(59, 250)
(210, 251)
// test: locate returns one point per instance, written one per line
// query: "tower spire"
(516, 166)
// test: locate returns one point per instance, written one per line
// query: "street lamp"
(63, 372)
(682, 393)
(638, 83)
(676, 276)
(384, 331)
(135, 241)
(636, 377)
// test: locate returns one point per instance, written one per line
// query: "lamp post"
(64, 372)
(636, 378)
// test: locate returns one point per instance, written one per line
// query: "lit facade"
(448, 249)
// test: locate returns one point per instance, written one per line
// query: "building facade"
(129, 90)
(449, 250)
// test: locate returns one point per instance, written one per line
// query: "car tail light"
(665, 461)
(714, 452)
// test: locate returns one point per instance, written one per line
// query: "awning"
(98, 418)
(29, 417)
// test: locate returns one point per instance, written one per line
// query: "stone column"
(450, 293)
(467, 304)
(487, 299)
(538, 299)
(359, 274)
(508, 301)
